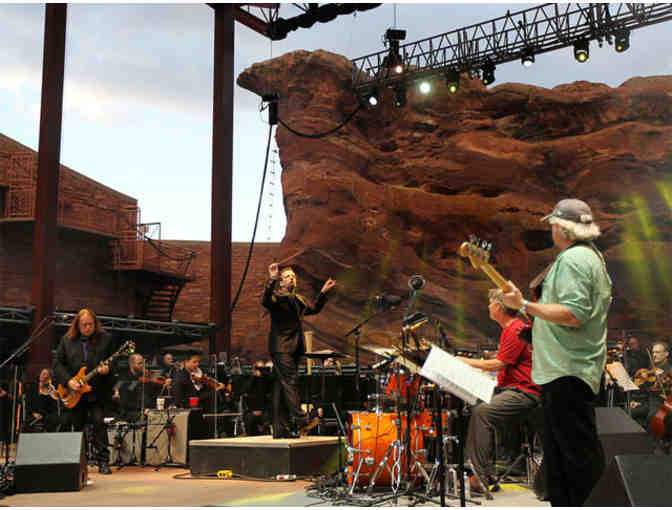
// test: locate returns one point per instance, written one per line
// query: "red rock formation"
(395, 191)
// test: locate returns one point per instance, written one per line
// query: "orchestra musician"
(191, 382)
(137, 390)
(286, 345)
(43, 405)
(569, 338)
(86, 344)
(650, 382)
(515, 396)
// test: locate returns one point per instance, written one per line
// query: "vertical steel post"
(222, 174)
(45, 236)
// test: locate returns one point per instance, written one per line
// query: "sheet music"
(617, 372)
(458, 378)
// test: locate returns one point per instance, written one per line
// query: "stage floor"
(143, 486)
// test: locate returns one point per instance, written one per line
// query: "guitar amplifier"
(158, 436)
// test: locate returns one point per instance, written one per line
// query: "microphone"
(384, 363)
(416, 282)
(388, 300)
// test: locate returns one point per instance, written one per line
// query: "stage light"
(400, 96)
(622, 40)
(488, 70)
(527, 59)
(453, 81)
(393, 59)
(370, 99)
(581, 50)
(425, 87)
(398, 69)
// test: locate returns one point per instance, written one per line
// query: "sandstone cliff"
(396, 191)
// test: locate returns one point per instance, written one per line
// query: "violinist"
(634, 358)
(44, 412)
(652, 380)
(191, 382)
(136, 390)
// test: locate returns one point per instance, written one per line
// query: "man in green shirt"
(570, 349)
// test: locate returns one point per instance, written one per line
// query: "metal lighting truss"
(540, 29)
(132, 325)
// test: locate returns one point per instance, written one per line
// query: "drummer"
(515, 395)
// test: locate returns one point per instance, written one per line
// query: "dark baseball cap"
(571, 209)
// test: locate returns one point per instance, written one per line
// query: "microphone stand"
(356, 331)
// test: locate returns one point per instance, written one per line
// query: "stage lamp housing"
(453, 81)
(622, 40)
(527, 60)
(488, 76)
(581, 50)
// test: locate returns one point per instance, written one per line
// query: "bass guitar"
(69, 397)
(478, 253)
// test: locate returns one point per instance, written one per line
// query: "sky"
(138, 94)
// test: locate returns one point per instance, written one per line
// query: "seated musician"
(257, 398)
(191, 382)
(515, 396)
(137, 390)
(43, 405)
(644, 410)
(167, 365)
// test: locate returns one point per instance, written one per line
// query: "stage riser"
(261, 461)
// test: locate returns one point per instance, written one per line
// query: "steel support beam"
(48, 165)
(222, 174)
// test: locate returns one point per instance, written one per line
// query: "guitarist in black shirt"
(87, 344)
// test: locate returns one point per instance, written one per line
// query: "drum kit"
(403, 440)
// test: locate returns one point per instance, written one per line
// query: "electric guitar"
(70, 397)
(478, 253)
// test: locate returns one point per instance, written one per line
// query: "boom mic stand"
(167, 427)
(356, 331)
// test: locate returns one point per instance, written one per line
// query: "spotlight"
(488, 70)
(371, 99)
(400, 96)
(425, 87)
(452, 81)
(528, 58)
(393, 59)
(622, 40)
(581, 50)
(398, 69)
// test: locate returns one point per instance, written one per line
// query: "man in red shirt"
(515, 396)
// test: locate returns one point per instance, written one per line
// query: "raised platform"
(263, 456)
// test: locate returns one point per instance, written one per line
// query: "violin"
(208, 381)
(159, 379)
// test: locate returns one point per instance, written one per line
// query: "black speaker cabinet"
(49, 462)
(620, 434)
(634, 480)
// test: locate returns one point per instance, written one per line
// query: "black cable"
(326, 133)
(256, 221)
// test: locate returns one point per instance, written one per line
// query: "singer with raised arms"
(286, 345)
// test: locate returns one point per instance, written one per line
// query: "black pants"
(92, 412)
(286, 401)
(572, 451)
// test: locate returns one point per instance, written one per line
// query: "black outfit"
(183, 388)
(44, 405)
(634, 360)
(71, 355)
(569, 441)
(135, 397)
(286, 345)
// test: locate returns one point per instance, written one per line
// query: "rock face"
(397, 190)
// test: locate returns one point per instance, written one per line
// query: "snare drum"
(409, 384)
(371, 435)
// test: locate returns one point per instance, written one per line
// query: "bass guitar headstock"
(477, 251)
